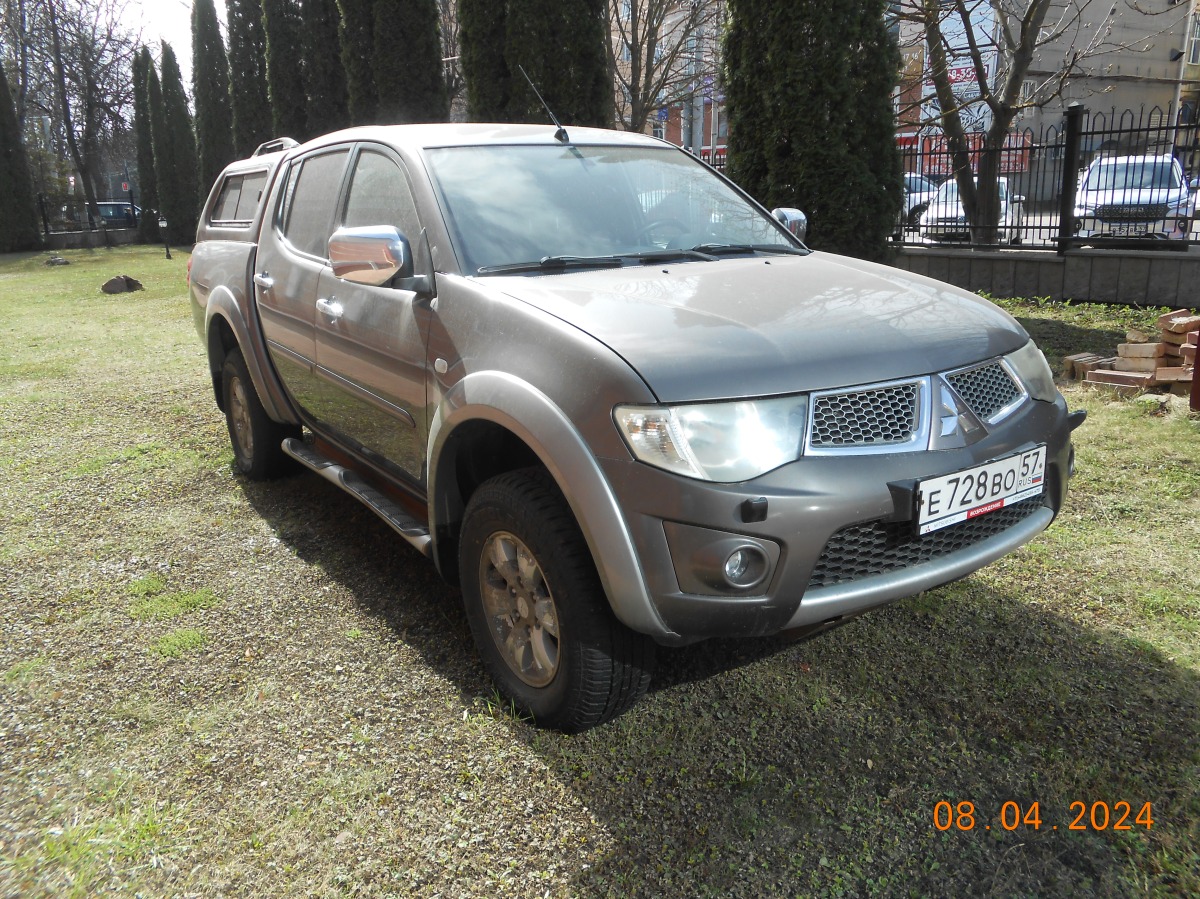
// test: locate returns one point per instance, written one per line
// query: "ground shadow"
(816, 768)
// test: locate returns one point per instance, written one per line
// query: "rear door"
(292, 255)
(370, 341)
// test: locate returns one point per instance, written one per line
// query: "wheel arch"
(228, 327)
(491, 422)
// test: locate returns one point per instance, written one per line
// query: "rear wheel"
(257, 439)
(538, 612)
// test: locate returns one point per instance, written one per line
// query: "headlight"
(723, 442)
(1033, 370)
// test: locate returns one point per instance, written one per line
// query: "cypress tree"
(324, 77)
(143, 69)
(481, 46)
(210, 88)
(285, 68)
(811, 124)
(562, 45)
(406, 61)
(19, 223)
(248, 75)
(175, 155)
(356, 39)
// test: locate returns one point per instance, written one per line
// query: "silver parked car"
(1134, 196)
(610, 396)
(945, 221)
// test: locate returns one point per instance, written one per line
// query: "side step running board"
(397, 517)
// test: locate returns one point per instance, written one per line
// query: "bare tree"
(73, 63)
(23, 25)
(456, 84)
(660, 52)
(995, 66)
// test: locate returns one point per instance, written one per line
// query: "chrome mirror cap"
(372, 255)
(792, 219)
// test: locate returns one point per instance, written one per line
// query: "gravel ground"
(218, 688)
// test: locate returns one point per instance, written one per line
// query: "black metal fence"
(1106, 179)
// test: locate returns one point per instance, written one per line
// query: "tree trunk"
(77, 156)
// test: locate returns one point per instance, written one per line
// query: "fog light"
(745, 567)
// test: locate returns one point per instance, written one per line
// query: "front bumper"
(836, 531)
(1169, 228)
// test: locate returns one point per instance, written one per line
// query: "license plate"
(966, 494)
(1129, 230)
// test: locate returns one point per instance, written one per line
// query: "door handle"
(330, 307)
(263, 280)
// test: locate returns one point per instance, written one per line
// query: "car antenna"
(561, 134)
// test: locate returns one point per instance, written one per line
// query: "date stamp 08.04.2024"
(1012, 815)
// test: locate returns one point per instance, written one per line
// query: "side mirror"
(374, 255)
(792, 219)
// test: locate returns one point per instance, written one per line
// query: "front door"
(370, 341)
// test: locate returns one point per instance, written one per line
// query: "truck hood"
(746, 327)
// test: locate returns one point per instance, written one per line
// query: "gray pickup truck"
(612, 398)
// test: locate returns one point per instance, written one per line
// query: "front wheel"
(538, 612)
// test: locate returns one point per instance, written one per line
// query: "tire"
(544, 628)
(257, 439)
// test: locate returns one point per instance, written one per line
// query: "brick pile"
(1166, 361)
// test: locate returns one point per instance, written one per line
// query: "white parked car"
(946, 222)
(1134, 196)
(918, 194)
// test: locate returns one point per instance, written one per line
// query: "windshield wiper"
(668, 255)
(729, 249)
(550, 263)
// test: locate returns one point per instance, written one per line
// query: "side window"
(251, 195)
(239, 198)
(311, 197)
(379, 195)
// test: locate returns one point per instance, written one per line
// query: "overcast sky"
(170, 21)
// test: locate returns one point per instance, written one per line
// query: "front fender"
(528, 413)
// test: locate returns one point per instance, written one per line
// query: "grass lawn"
(213, 687)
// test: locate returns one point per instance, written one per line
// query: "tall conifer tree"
(561, 44)
(410, 82)
(285, 68)
(357, 41)
(481, 45)
(324, 77)
(175, 154)
(143, 69)
(210, 89)
(810, 122)
(252, 123)
(19, 223)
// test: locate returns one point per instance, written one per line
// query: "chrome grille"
(1148, 212)
(880, 415)
(986, 390)
(863, 550)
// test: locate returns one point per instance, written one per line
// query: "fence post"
(1066, 208)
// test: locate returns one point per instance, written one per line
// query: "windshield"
(1134, 174)
(948, 192)
(508, 205)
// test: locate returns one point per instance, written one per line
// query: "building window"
(1194, 44)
